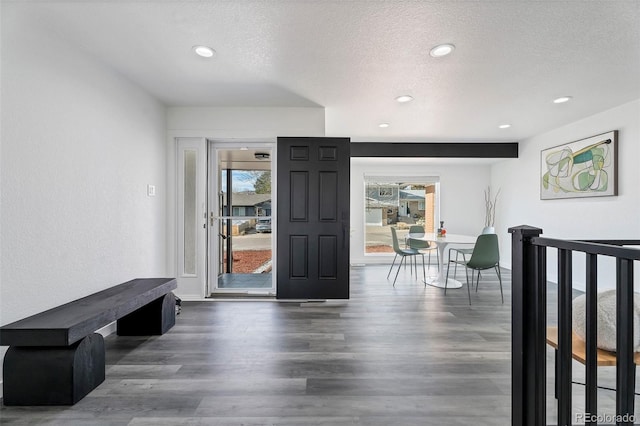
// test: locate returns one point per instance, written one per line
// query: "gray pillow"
(606, 319)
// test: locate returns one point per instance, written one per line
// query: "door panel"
(328, 245)
(299, 196)
(328, 195)
(313, 218)
(299, 257)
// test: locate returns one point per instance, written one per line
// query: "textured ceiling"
(354, 57)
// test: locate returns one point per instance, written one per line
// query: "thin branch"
(490, 207)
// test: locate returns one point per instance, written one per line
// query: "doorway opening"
(241, 245)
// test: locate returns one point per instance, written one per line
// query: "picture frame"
(583, 168)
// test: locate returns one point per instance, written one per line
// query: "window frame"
(389, 182)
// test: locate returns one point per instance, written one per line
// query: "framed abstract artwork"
(583, 168)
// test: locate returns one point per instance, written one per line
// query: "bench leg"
(55, 375)
(154, 318)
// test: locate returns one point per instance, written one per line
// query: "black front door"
(313, 218)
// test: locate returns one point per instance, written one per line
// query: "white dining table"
(441, 245)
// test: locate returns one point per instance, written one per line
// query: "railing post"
(625, 366)
(528, 330)
(591, 375)
(564, 359)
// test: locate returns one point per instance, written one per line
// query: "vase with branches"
(490, 201)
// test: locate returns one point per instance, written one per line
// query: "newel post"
(528, 328)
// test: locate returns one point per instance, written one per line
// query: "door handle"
(344, 236)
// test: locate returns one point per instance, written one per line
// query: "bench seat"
(604, 358)
(56, 358)
(71, 322)
(579, 350)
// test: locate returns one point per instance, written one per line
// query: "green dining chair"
(404, 253)
(421, 245)
(466, 251)
(485, 255)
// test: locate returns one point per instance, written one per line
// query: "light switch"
(151, 190)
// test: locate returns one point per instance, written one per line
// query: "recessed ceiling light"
(204, 51)
(244, 148)
(404, 98)
(441, 50)
(383, 125)
(504, 126)
(562, 99)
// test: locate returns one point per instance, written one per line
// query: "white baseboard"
(108, 329)
(192, 298)
(3, 351)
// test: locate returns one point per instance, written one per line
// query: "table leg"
(439, 281)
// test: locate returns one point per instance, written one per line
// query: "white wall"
(584, 218)
(79, 146)
(226, 125)
(462, 188)
(244, 123)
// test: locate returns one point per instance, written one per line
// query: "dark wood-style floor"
(389, 356)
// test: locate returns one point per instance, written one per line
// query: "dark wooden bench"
(56, 358)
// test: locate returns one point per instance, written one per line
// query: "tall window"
(399, 202)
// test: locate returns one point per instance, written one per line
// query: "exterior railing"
(529, 326)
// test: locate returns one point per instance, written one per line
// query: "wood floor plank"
(406, 355)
